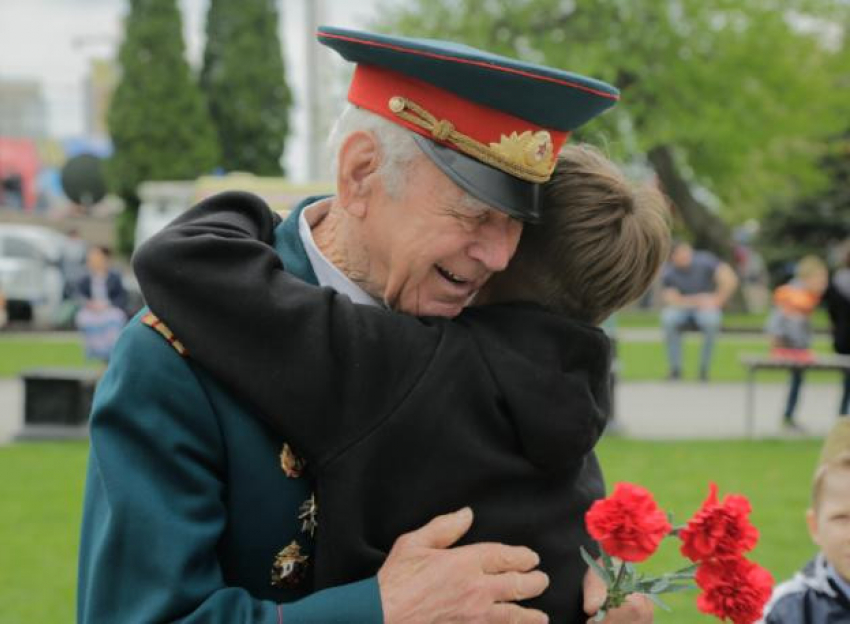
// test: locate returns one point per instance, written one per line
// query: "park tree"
(728, 99)
(243, 77)
(811, 224)
(158, 120)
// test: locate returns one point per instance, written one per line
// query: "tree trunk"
(709, 231)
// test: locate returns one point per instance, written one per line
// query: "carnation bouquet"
(629, 526)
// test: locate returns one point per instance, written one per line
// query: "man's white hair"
(398, 149)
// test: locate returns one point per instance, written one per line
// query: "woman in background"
(838, 305)
(103, 301)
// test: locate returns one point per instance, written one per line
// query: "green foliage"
(743, 92)
(158, 121)
(810, 225)
(243, 77)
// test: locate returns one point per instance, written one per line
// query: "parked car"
(30, 275)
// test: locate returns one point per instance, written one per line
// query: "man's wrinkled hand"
(636, 610)
(423, 580)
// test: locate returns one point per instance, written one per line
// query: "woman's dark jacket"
(114, 289)
(837, 299)
(398, 418)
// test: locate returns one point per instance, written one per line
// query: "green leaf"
(658, 601)
(660, 585)
(604, 574)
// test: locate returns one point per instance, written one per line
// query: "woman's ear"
(359, 159)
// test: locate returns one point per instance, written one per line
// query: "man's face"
(829, 524)
(682, 256)
(431, 248)
(96, 260)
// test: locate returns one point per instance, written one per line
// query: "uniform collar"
(326, 272)
(302, 257)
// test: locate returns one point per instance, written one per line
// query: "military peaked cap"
(492, 124)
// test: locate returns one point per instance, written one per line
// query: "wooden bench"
(756, 362)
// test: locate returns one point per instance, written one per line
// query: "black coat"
(398, 418)
(838, 307)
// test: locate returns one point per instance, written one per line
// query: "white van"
(30, 271)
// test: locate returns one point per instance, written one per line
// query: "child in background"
(790, 328)
(820, 592)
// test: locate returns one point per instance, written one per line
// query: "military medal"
(309, 515)
(292, 465)
(289, 567)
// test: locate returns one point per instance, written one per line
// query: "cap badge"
(531, 149)
(527, 156)
(289, 567)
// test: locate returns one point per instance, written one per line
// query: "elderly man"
(695, 287)
(174, 527)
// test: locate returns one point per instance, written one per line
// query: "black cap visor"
(495, 188)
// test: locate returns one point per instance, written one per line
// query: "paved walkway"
(11, 408)
(646, 410)
(689, 410)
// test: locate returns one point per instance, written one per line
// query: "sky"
(53, 41)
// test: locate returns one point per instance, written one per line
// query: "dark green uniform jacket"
(186, 504)
(399, 419)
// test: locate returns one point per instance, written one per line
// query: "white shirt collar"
(326, 273)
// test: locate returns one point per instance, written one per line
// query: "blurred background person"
(695, 287)
(4, 316)
(73, 262)
(837, 298)
(789, 326)
(103, 302)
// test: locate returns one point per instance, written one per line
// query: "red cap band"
(372, 88)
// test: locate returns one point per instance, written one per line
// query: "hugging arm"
(322, 370)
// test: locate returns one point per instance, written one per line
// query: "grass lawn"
(636, 317)
(647, 361)
(19, 352)
(40, 503)
(639, 360)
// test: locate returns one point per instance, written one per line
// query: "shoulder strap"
(152, 320)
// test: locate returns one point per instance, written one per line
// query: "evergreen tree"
(243, 77)
(158, 121)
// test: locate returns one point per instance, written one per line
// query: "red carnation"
(719, 529)
(628, 524)
(733, 588)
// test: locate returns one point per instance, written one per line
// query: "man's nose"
(496, 243)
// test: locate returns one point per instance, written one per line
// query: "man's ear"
(812, 523)
(359, 159)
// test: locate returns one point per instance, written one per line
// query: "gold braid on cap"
(527, 156)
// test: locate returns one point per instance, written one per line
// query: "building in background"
(23, 112)
(98, 88)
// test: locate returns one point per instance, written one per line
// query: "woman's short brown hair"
(599, 246)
